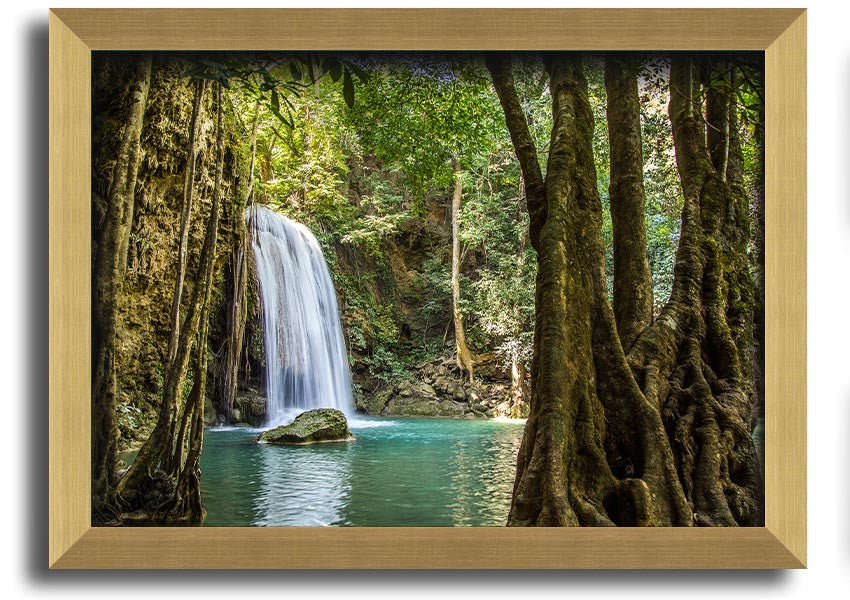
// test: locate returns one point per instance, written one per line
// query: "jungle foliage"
(596, 222)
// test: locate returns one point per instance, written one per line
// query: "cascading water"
(306, 362)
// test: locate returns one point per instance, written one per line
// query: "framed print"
(357, 288)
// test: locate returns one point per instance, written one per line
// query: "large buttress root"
(658, 436)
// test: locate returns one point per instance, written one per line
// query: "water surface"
(398, 472)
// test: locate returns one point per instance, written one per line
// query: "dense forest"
(571, 239)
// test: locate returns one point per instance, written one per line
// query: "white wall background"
(23, 384)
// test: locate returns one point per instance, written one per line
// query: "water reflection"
(404, 472)
(303, 486)
(483, 476)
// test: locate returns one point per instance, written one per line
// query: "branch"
(499, 65)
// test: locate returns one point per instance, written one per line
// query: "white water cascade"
(306, 361)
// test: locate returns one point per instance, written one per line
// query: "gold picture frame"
(75, 33)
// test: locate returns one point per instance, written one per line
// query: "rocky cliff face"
(441, 389)
(414, 282)
(145, 304)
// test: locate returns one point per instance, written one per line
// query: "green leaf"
(348, 89)
(286, 120)
(362, 75)
(289, 103)
(335, 68)
(295, 71)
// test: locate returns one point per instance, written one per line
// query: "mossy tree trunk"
(169, 405)
(163, 483)
(237, 309)
(186, 505)
(109, 269)
(464, 356)
(696, 356)
(632, 279)
(532, 183)
(655, 436)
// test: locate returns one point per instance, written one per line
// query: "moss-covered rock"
(249, 407)
(401, 406)
(318, 425)
(372, 403)
(440, 389)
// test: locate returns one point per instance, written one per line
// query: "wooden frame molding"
(74, 33)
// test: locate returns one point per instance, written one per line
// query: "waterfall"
(306, 361)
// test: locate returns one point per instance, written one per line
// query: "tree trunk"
(157, 469)
(632, 279)
(581, 377)
(655, 438)
(464, 357)
(109, 269)
(237, 310)
(562, 476)
(694, 358)
(187, 505)
(168, 407)
(718, 101)
(519, 387)
(499, 65)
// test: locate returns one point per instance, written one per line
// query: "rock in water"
(317, 425)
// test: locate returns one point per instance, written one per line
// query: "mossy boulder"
(373, 403)
(313, 426)
(249, 407)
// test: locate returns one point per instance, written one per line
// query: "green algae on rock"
(313, 426)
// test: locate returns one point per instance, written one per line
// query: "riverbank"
(436, 388)
(439, 388)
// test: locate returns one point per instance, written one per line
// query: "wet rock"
(249, 407)
(313, 426)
